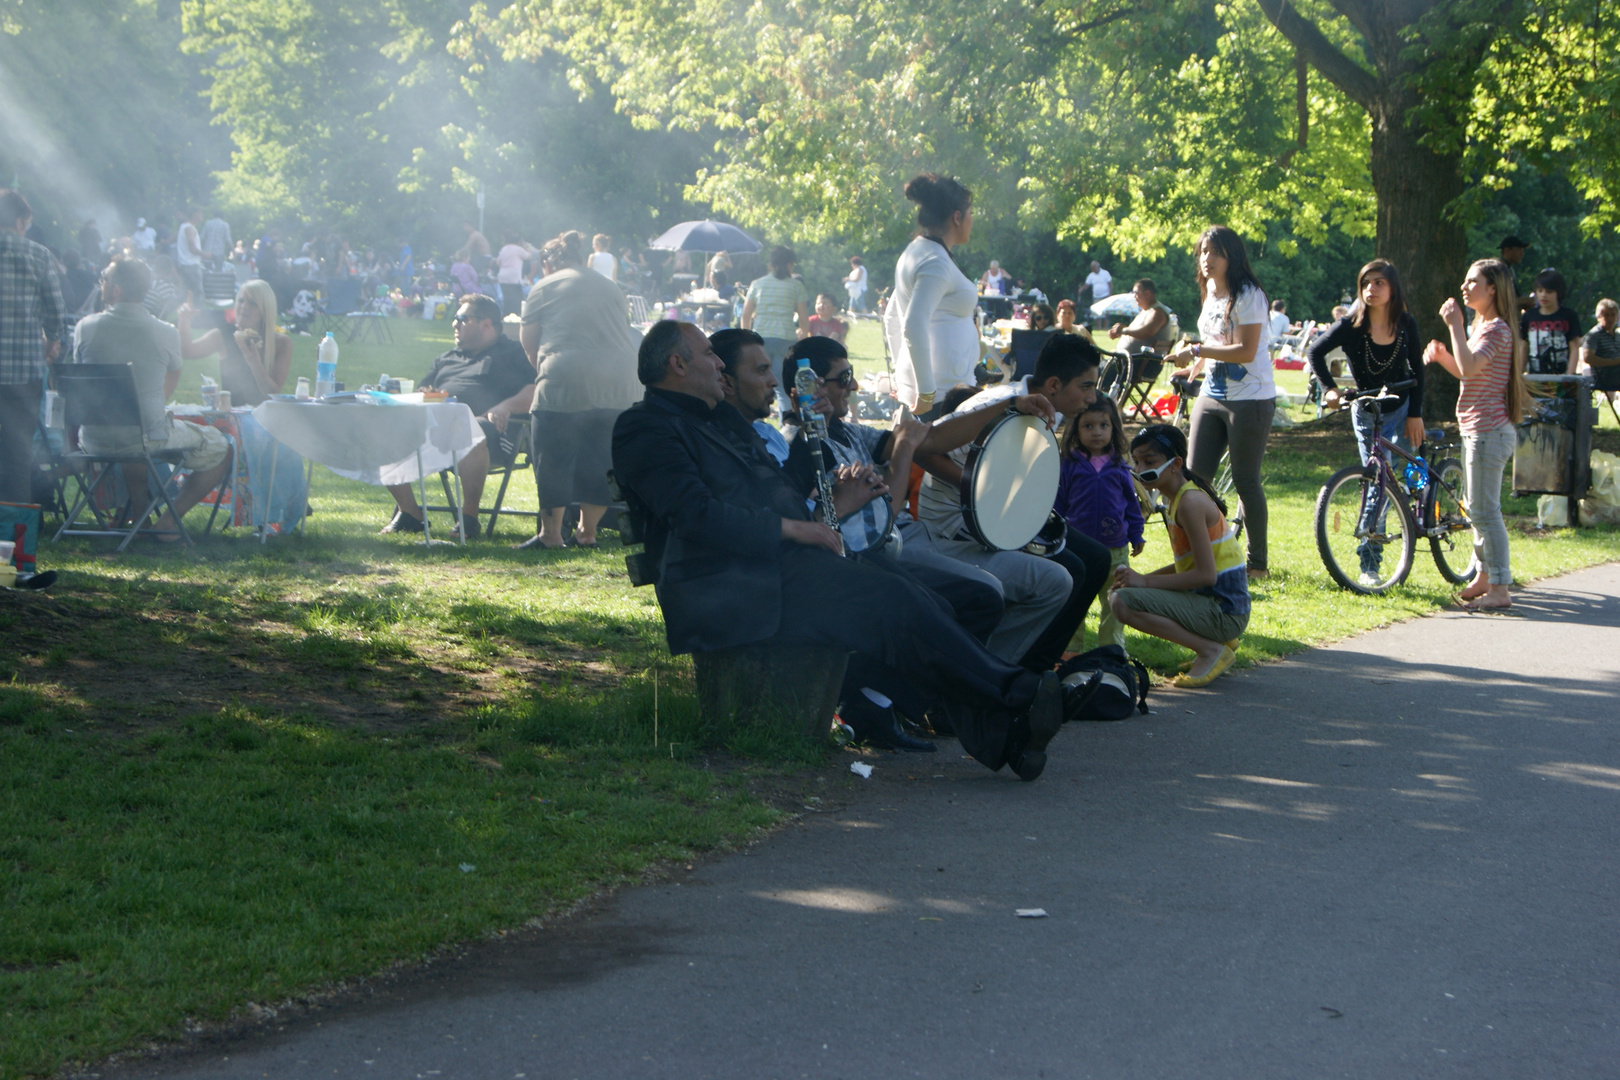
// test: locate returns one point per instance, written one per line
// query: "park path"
(1395, 856)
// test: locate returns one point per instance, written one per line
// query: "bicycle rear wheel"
(1445, 520)
(1368, 560)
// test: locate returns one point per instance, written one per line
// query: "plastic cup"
(7, 549)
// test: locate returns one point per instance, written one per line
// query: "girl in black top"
(1380, 339)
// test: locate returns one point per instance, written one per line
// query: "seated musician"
(740, 560)
(874, 696)
(851, 443)
(491, 374)
(1047, 598)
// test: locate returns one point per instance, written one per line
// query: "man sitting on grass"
(126, 333)
(491, 374)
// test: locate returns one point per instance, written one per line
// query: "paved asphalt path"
(1394, 857)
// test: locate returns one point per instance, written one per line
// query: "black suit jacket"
(714, 500)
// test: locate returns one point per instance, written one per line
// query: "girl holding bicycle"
(1488, 410)
(1239, 396)
(1380, 339)
(1201, 600)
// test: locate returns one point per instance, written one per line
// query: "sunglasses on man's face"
(845, 378)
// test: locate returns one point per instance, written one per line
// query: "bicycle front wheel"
(1364, 531)
(1445, 520)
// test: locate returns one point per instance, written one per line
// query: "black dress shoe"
(403, 523)
(891, 736)
(1042, 720)
(469, 526)
(880, 727)
(533, 542)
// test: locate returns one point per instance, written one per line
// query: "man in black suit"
(739, 559)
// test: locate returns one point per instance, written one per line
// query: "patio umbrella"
(706, 236)
(1118, 304)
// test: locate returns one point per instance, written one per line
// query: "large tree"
(1133, 121)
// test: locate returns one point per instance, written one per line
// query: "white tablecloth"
(375, 444)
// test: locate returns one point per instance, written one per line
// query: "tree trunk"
(1413, 186)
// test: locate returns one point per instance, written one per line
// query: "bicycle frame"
(1386, 472)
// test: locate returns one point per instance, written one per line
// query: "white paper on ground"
(861, 769)
(1032, 913)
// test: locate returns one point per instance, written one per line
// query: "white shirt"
(856, 282)
(1279, 325)
(1253, 381)
(187, 238)
(929, 322)
(510, 261)
(605, 264)
(145, 239)
(1102, 284)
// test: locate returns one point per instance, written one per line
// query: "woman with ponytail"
(1201, 600)
(1490, 363)
(929, 319)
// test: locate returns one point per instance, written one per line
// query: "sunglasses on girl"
(1147, 476)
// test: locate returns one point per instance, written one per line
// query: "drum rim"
(887, 500)
(970, 470)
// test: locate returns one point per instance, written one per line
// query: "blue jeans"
(1375, 510)
(1485, 458)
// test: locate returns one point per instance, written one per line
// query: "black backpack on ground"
(1116, 683)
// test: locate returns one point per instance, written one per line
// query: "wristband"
(1196, 346)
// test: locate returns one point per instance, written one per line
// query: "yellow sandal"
(1233, 644)
(1222, 662)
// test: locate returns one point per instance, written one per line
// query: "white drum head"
(1016, 482)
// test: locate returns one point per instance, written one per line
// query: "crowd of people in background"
(570, 368)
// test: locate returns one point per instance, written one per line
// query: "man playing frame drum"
(1047, 597)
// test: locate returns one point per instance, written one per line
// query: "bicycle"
(1354, 506)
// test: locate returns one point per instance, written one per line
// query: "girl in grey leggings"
(1239, 394)
(1242, 427)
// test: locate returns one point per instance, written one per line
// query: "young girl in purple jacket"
(1097, 495)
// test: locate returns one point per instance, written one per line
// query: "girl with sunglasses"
(1201, 600)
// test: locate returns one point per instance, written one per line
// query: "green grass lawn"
(246, 772)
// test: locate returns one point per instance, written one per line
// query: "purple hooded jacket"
(1102, 505)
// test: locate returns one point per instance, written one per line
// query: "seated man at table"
(126, 333)
(490, 373)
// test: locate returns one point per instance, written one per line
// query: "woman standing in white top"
(929, 320)
(1239, 396)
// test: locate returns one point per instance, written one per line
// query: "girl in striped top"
(1488, 410)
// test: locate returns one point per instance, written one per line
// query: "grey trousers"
(1034, 588)
(1243, 427)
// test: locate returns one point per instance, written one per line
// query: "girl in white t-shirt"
(1238, 399)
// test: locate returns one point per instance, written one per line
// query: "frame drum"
(1010, 482)
(868, 528)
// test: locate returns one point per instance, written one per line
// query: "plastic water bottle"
(1416, 475)
(326, 358)
(805, 385)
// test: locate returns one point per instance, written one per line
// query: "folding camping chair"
(341, 300)
(219, 288)
(103, 395)
(1134, 391)
(517, 429)
(640, 312)
(1024, 349)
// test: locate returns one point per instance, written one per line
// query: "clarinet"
(815, 430)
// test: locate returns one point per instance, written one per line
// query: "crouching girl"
(1201, 601)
